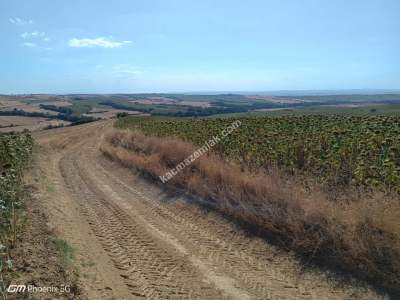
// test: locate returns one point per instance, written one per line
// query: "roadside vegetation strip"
(15, 155)
(359, 231)
(207, 146)
(345, 151)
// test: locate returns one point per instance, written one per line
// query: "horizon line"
(222, 92)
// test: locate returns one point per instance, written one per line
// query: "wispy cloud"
(125, 71)
(35, 46)
(30, 45)
(20, 22)
(34, 34)
(97, 42)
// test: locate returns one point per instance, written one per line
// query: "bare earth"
(19, 123)
(11, 105)
(133, 241)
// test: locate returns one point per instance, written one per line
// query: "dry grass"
(359, 233)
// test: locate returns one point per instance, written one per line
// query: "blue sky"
(102, 46)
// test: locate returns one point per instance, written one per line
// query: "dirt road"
(133, 241)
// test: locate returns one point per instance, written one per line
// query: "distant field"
(19, 123)
(60, 103)
(279, 100)
(383, 98)
(109, 113)
(341, 109)
(85, 108)
(8, 105)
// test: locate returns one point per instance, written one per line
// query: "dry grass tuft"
(360, 234)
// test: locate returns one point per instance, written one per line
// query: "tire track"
(148, 267)
(174, 250)
(229, 252)
(243, 258)
(254, 275)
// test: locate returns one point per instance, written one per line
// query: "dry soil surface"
(133, 241)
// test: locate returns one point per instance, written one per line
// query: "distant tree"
(122, 114)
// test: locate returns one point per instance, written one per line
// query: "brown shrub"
(360, 234)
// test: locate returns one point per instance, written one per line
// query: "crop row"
(337, 150)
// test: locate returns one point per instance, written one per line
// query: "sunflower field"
(333, 149)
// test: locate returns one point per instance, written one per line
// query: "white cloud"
(97, 42)
(19, 21)
(34, 34)
(30, 45)
(38, 34)
(36, 46)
